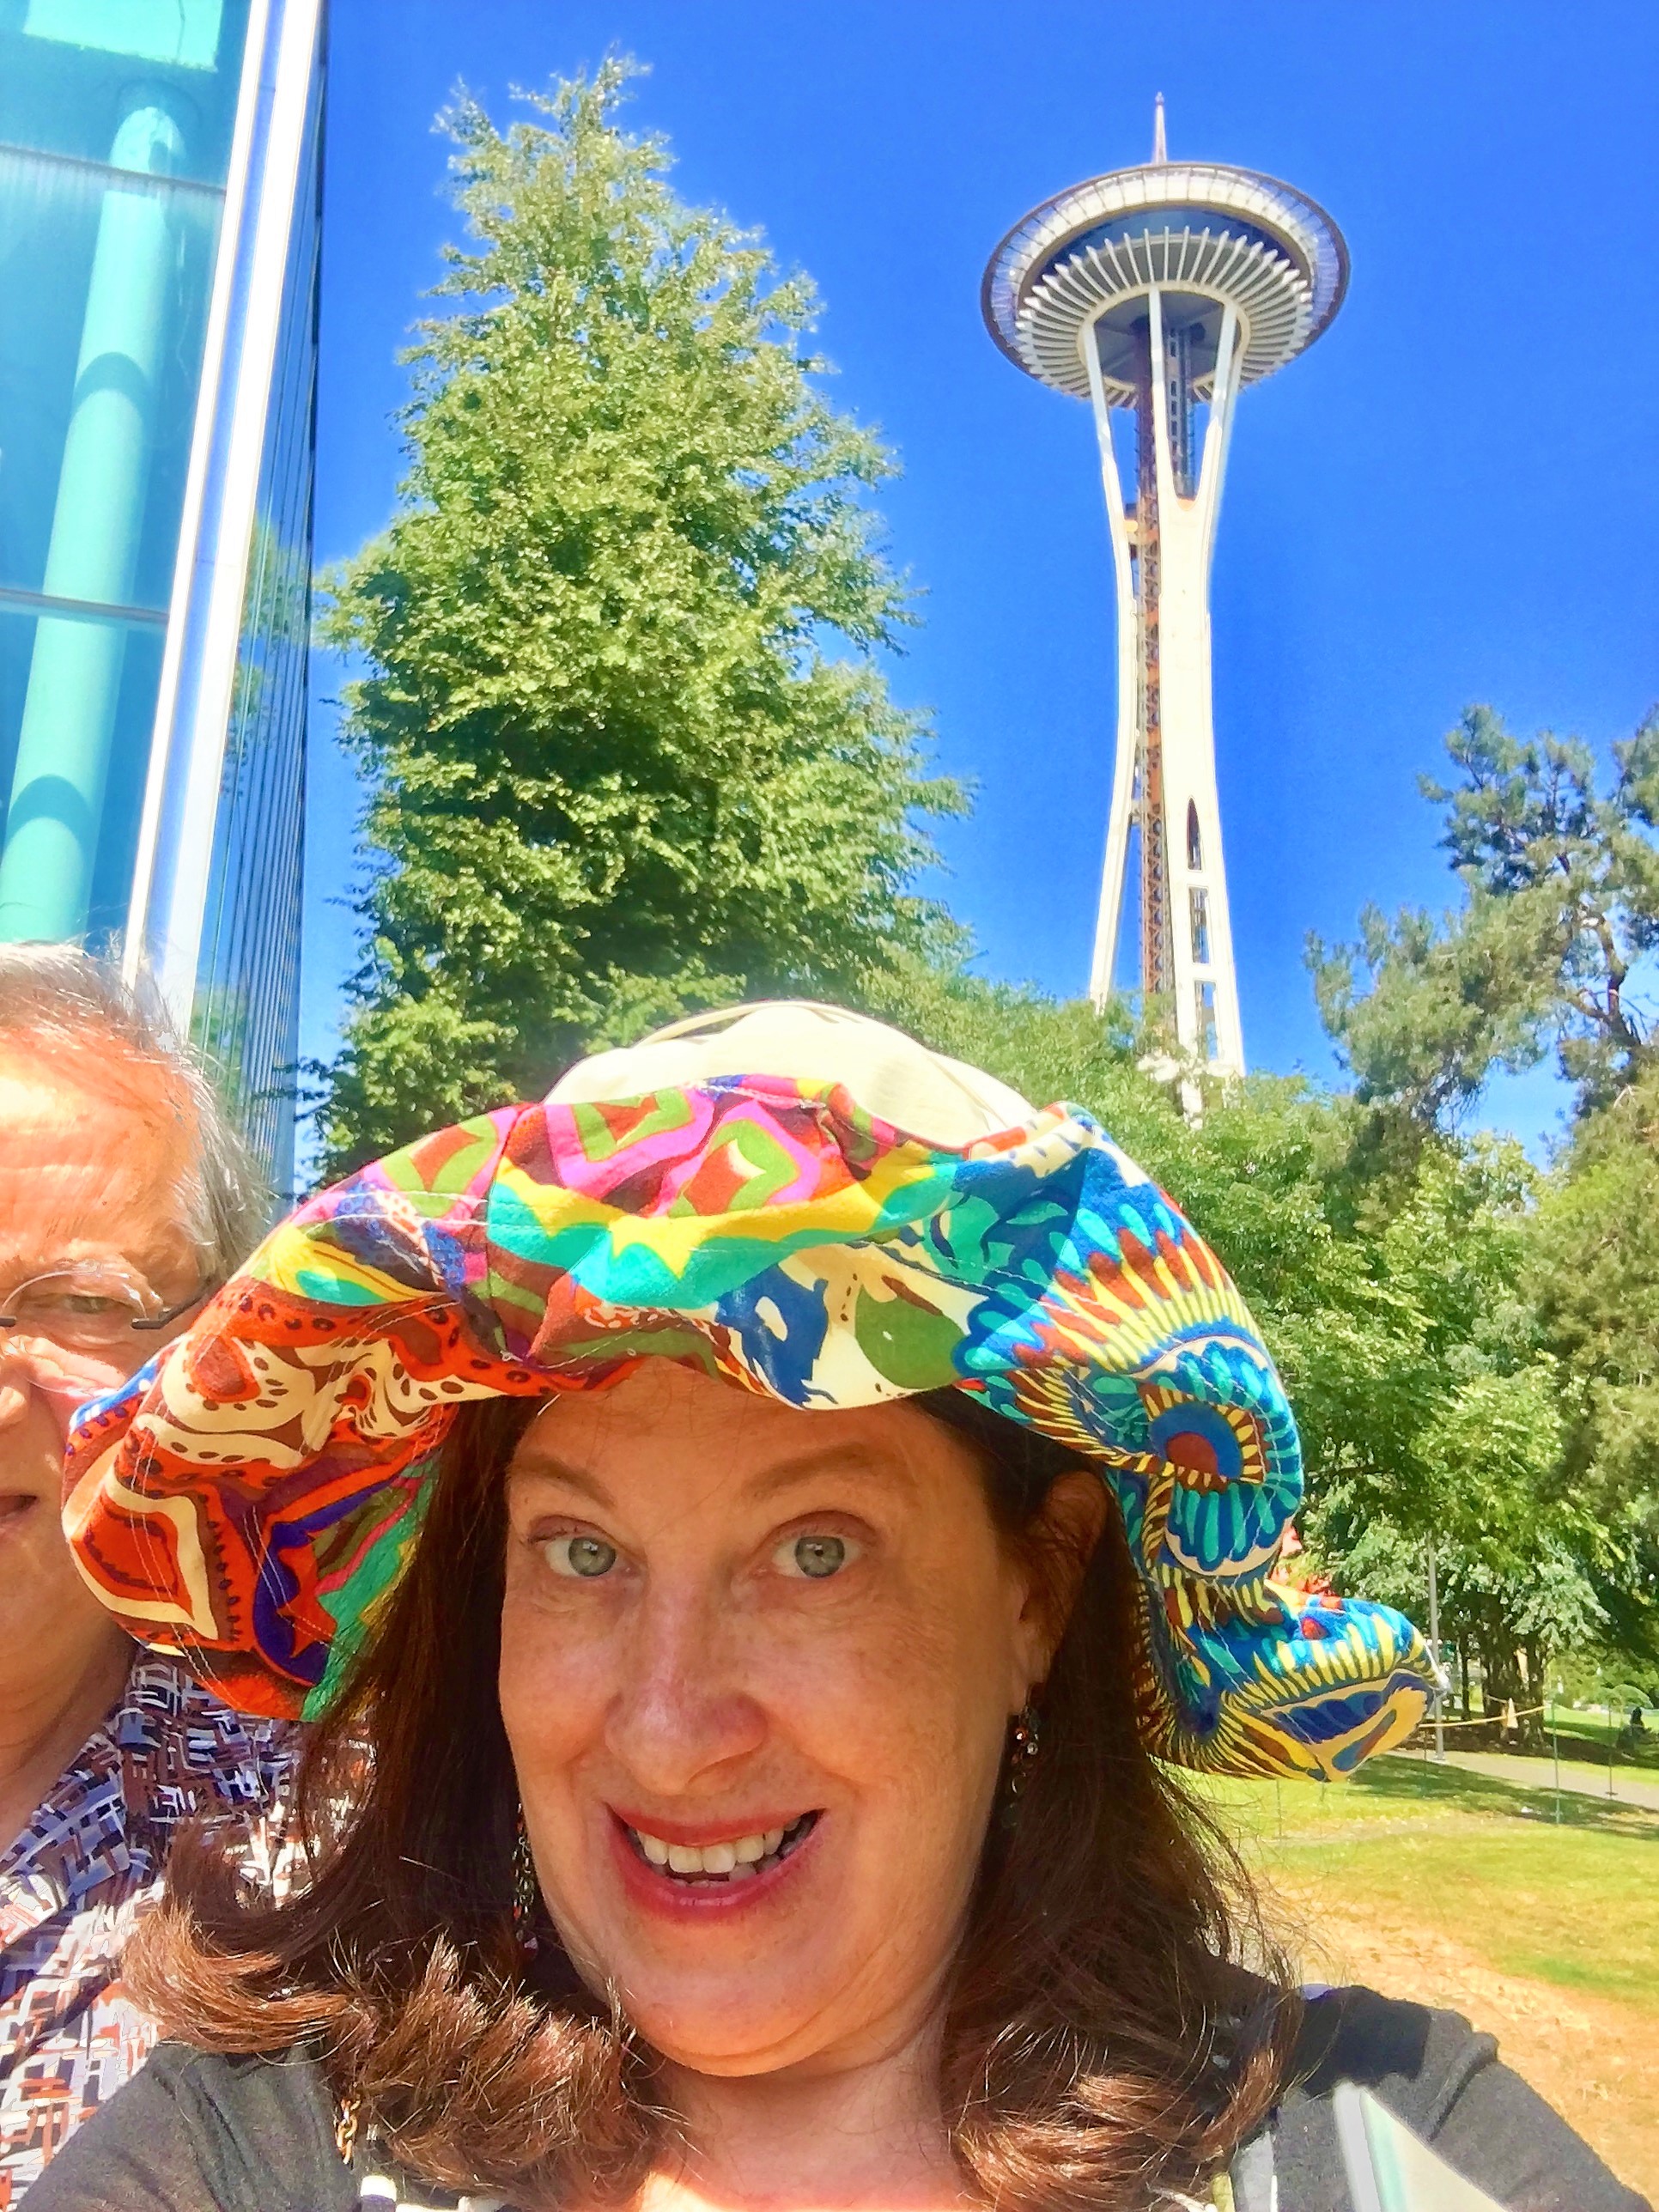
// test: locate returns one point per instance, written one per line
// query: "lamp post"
(1434, 1646)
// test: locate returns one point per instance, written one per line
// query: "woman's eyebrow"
(543, 1467)
(853, 1459)
(59, 1256)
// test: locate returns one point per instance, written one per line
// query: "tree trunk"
(1533, 1734)
(1496, 1644)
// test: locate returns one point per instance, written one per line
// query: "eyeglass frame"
(149, 1324)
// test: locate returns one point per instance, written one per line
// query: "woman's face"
(757, 1667)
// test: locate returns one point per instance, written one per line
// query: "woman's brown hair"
(1119, 2019)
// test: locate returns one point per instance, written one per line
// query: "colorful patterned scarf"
(251, 1498)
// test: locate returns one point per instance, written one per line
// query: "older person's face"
(778, 1651)
(89, 1175)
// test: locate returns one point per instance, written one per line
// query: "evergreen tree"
(1539, 1472)
(1562, 884)
(628, 747)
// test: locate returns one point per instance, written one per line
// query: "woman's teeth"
(735, 1860)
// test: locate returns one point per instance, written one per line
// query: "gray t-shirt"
(197, 2132)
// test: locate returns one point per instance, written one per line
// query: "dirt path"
(1595, 2059)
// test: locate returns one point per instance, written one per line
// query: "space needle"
(1161, 290)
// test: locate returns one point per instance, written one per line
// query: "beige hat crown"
(927, 1094)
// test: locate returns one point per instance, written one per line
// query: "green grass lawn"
(1584, 1735)
(1463, 1890)
(1573, 1903)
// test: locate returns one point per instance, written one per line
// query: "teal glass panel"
(103, 307)
(134, 650)
(115, 125)
(183, 31)
(67, 65)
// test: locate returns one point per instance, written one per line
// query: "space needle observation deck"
(1163, 289)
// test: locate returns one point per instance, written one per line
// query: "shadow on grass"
(1404, 1781)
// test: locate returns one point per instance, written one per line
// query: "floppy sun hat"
(816, 1208)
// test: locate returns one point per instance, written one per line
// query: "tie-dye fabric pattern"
(252, 1499)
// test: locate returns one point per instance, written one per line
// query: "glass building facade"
(159, 172)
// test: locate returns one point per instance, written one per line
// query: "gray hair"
(58, 993)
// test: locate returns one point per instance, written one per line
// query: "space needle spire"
(1159, 292)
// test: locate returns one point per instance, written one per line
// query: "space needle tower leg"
(1163, 783)
(1125, 793)
(1203, 983)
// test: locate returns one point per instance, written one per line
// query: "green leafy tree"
(1541, 1471)
(1562, 882)
(619, 704)
(1594, 1277)
(1434, 1409)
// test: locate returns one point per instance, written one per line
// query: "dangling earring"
(526, 1890)
(1025, 1749)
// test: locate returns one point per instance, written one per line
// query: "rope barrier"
(1485, 1720)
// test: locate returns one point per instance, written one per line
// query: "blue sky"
(1452, 497)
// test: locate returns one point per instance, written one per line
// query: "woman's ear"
(1062, 1543)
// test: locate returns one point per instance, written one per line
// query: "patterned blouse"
(74, 1883)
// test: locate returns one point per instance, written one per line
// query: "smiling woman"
(758, 1751)
(754, 1544)
(702, 1697)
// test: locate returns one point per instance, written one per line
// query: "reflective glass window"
(1200, 926)
(127, 658)
(115, 127)
(1205, 994)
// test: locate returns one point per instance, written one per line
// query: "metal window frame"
(167, 908)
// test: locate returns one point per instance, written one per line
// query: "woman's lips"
(723, 1870)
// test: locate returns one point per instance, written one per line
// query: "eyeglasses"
(88, 1309)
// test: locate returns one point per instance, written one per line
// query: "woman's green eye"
(588, 1557)
(816, 1557)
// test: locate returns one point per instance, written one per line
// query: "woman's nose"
(682, 1707)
